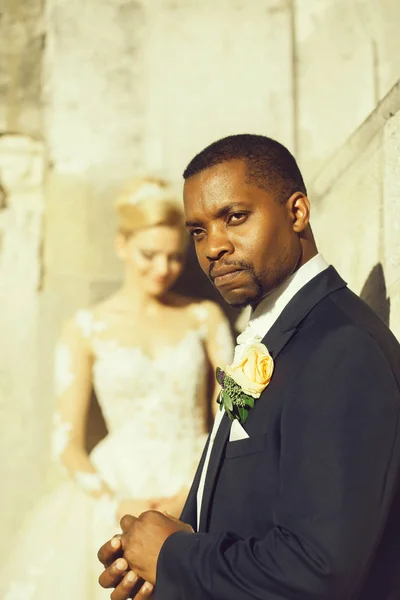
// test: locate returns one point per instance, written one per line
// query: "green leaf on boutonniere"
(249, 400)
(243, 413)
(227, 401)
(228, 412)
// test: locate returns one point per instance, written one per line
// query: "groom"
(301, 500)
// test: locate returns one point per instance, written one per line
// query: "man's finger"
(145, 591)
(166, 513)
(113, 575)
(132, 587)
(126, 522)
(110, 551)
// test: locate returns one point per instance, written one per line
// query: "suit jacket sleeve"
(339, 464)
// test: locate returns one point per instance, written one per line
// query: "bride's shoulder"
(206, 310)
(202, 310)
(88, 321)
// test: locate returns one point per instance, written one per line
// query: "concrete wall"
(356, 215)
(21, 48)
(22, 168)
(23, 430)
(215, 68)
(347, 60)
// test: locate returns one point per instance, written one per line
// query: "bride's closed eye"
(148, 254)
(173, 257)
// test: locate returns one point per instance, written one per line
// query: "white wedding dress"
(153, 411)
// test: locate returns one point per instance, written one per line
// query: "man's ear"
(299, 209)
(120, 246)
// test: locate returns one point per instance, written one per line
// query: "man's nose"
(218, 244)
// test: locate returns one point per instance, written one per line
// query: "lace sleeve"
(219, 342)
(219, 338)
(73, 386)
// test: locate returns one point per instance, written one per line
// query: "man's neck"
(271, 306)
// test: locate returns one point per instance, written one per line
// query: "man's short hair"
(270, 165)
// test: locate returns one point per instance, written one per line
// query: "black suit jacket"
(307, 507)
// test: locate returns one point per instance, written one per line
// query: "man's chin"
(237, 299)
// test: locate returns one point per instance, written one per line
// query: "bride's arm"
(219, 346)
(73, 387)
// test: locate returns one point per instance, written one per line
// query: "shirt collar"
(270, 308)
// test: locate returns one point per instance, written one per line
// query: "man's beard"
(253, 300)
(244, 266)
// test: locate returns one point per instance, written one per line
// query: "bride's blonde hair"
(147, 202)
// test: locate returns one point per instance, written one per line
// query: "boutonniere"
(244, 380)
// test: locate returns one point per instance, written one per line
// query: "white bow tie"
(248, 336)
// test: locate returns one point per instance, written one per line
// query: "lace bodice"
(154, 406)
(161, 394)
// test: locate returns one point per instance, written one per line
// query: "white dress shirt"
(261, 321)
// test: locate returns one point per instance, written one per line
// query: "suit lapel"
(275, 340)
(213, 467)
(189, 511)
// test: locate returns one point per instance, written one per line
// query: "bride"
(147, 353)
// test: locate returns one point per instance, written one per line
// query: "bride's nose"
(161, 265)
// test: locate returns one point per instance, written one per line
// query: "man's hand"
(143, 538)
(117, 575)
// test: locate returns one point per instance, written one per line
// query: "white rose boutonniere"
(245, 379)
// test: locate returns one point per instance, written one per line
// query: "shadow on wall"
(3, 206)
(374, 293)
(3, 198)
(96, 427)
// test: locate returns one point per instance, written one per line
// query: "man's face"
(244, 238)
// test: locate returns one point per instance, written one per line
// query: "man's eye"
(196, 233)
(237, 218)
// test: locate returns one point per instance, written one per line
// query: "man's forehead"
(215, 182)
(224, 172)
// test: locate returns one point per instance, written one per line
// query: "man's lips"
(223, 275)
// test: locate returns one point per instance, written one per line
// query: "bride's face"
(154, 257)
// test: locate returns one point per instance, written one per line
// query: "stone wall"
(21, 49)
(23, 428)
(347, 60)
(213, 69)
(356, 214)
(22, 168)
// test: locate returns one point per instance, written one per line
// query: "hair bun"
(146, 202)
(143, 189)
